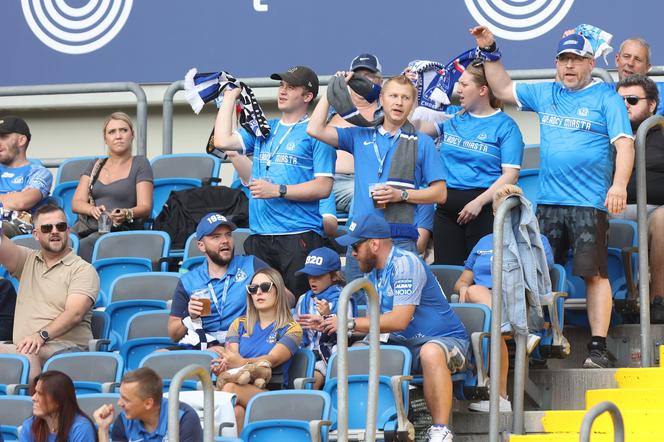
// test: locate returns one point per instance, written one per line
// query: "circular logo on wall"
(76, 30)
(519, 19)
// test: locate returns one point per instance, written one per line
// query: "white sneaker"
(483, 406)
(440, 434)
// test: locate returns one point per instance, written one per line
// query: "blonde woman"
(266, 333)
(119, 184)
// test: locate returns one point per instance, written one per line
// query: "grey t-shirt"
(121, 194)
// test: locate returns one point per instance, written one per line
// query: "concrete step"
(565, 389)
(628, 398)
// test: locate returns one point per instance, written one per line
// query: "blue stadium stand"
(88, 370)
(15, 410)
(14, 369)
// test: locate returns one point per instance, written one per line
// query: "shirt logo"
(273, 337)
(352, 226)
(482, 136)
(290, 146)
(368, 143)
(17, 180)
(583, 112)
(240, 275)
(7, 175)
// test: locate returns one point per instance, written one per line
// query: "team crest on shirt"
(240, 276)
(290, 147)
(17, 180)
(582, 112)
(482, 136)
(273, 337)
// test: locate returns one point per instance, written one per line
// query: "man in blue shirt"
(144, 413)
(290, 173)
(219, 282)
(579, 178)
(414, 312)
(23, 185)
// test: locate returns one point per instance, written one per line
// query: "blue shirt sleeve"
(527, 96)
(82, 430)
(424, 216)
(547, 250)
(328, 206)
(511, 145)
(190, 425)
(472, 257)
(617, 120)
(248, 141)
(409, 279)
(325, 157)
(26, 431)
(346, 138)
(41, 179)
(430, 161)
(179, 306)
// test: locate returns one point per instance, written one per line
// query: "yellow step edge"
(574, 437)
(628, 398)
(661, 355)
(569, 421)
(640, 377)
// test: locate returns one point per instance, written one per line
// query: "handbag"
(86, 224)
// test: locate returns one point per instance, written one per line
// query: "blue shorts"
(446, 342)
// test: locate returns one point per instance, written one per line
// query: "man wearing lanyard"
(291, 172)
(219, 283)
(414, 313)
(373, 149)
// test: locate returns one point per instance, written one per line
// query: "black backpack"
(185, 208)
(7, 307)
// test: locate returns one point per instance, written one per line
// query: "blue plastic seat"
(186, 165)
(101, 329)
(110, 269)
(134, 350)
(14, 369)
(167, 364)
(447, 276)
(72, 169)
(15, 410)
(529, 183)
(151, 244)
(120, 312)
(88, 370)
(30, 242)
(64, 193)
(163, 188)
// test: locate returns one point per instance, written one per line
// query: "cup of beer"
(372, 188)
(203, 296)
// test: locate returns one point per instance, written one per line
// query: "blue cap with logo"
(575, 44)
(321, 261)
(366, 61)
(370, 226)
(210, 222)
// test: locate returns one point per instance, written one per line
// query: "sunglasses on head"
(633, 100)
(48, 228)
(264, 287)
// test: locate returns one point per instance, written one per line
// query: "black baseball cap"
(14, 125)
(299, 76)
(366, 61)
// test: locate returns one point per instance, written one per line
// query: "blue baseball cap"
(366, 61)
(321, 261)
(209, 223)
(370, 226)
(575, 44)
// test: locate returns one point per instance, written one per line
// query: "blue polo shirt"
(307, 306)
(475, 148)
(406, 280)
(424, 216)
(81, 430)
(229, 293)
(133, 430)
(577, 128)
(480, 259)
(371, 146)
(288, 156)
(30, 176)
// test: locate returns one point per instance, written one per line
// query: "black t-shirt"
(7, 307)
(654, 170)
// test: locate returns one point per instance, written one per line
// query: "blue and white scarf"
(599, 39)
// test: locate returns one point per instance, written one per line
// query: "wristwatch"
(44, 335)
(282, 190)
(351, 325)
(404, 195)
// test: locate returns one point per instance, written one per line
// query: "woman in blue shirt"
(474, 286)
(266, 333)
(56, 416)
(481, 148)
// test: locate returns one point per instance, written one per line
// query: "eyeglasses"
(264, 287)
(633, 100)
(357, 245)
(48, 228)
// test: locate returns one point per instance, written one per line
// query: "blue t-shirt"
(81, 430)
(133, 430)
(229, 293)
(288, 156)
(306, 306)
(474, 149)
(424, 216)
(480, 259)
(660, 106)
(577, 128)
(406, 280)
(30, 176)
(359, 141)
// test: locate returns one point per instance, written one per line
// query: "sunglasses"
(264, 287)
(633, 100)
(357, 245)
(48, 228)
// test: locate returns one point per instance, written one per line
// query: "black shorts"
(585, 230)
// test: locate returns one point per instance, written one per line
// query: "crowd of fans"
(399, 186)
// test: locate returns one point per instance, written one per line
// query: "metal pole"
(520, 359)
(342, 361)
(549, 74)
(593, 413)
(496, 316)
(208, 401)
(91, 88)
(642, 220)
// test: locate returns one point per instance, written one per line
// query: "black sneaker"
(597, 359)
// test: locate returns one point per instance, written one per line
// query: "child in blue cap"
(323, 268)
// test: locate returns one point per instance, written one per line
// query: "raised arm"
(225, 138)
(318, 127)
(495, 72)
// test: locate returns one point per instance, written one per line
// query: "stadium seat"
(531, 157)
(551, 344)
(154, 285)
(64, 194)
(101, 328)
(120, 312)
(300, 372)
(110, 269)
(153, 245)
(529, 183)
(147, 324)
(447, 276)
(90, 402)
(163, 188)
(392, 408)
(240, 235)
(287, 415)
(134, 350)
(30, 242)
(72, 169)
(14, 369)
(15, 410)
(188, 165)
(167, 364)
(191, 263)
(88, 370)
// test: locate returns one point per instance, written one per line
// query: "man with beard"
(56, 293)
(211, 296)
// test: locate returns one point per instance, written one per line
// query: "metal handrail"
(642, 220)
(496, 319)
(594, 413)
(92, 88)
(208, 401)
(373, 310)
